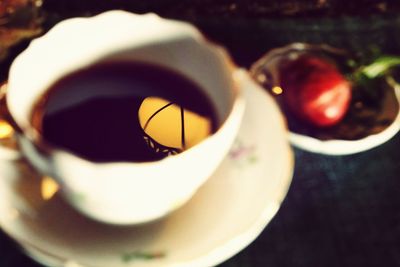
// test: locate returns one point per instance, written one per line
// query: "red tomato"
(314, 90)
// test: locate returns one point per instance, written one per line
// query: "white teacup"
(122, 192)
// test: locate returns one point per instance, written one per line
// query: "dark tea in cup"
(124, 111)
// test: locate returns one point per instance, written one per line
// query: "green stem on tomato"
(379, 67)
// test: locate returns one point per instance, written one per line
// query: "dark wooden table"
(340, 211)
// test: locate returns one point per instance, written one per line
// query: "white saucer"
(226, 214)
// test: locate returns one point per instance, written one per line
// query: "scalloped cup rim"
(237, 105)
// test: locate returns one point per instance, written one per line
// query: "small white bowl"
(269, 64)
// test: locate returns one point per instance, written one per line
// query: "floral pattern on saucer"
(243, 153)
(140, 255)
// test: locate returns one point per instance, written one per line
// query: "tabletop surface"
(339, 211)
